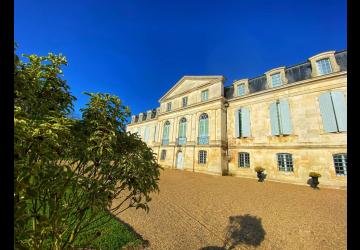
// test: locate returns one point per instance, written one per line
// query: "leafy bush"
(259, 169)
(314, 174)
(66, 170)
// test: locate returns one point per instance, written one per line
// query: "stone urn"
(314, 179)
(260, 173)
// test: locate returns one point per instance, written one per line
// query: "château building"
(290, 121)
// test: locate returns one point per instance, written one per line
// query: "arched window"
(166, 133)
(182, 128)
(203, 129)
(182, 132)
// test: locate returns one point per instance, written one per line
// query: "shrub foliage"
(67, 170)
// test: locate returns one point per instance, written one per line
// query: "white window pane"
(276, 80)
(241, 89)
(324, 66)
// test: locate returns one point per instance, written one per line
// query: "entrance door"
(179, 160)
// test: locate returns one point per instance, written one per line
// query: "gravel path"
(199, 211)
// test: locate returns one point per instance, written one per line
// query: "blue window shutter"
(327, 113)
(201, 127)
(237, 129)
(206, 127)
(166, 132)
(340, 110)
(274, 120)
(245, 122)
(184, 129)
(285, 118)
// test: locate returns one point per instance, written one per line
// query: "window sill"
(333, 133)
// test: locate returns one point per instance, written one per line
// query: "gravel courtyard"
(199, 211)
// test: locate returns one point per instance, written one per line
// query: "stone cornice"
(214, 79)
(192, 106)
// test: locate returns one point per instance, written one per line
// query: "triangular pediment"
(188, 83)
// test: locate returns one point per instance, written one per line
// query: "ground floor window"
(163, 154)
(285, 162)
(340, 163)
(202, 156)
(244, 160)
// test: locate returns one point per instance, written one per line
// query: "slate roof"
(294, 73)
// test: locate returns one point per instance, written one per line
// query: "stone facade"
(310, 145)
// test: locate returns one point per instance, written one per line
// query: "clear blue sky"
(138, 50)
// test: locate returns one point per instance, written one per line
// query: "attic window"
(168, 106)
(276, 80)
(324, 66)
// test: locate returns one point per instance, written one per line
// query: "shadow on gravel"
(242, 230)
(145, 243)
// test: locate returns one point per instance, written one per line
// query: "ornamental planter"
(259, 172)
(314, 179)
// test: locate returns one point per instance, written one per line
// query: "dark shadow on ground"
(242, 230)
(145, 243)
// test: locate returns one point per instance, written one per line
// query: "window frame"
(343, 167)
(163, 155)
(168, 106)
(243, 89)
(243, 160)
(202, 157)
(277, 78)
(285, 158)
(207, 95)
(321, 67)
(184, 101)
(182, 127)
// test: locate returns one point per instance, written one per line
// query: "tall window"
(244, 160)
(166, 133)
(184, 101)
(155, 133)
(324, 66)
(204, 95)
(203, 129)
(333, 111)
(285, 162)
(146, 134)
(276, 80)
(241, 89)
(163, 154)
(182, 128)
(202, 157)
(168, 106)
(340, 163)
(280, 118)
(242, 122)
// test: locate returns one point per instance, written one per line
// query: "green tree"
(68, 170)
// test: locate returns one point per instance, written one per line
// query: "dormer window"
(276, 77)
(324, 66)
(240, 89)
(168, 106)
(204, 95)
(276, 80)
